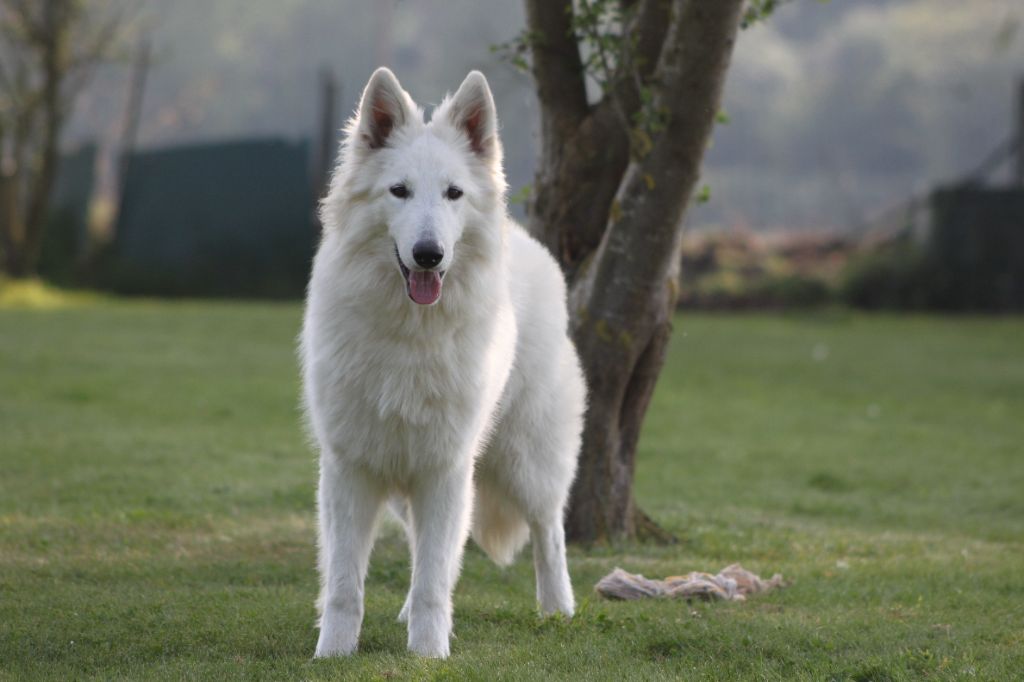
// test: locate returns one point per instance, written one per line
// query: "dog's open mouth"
(423, 286)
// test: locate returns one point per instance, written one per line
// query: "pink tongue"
(424, 286)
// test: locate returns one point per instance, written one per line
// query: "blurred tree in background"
(48, 51)
(616, 174)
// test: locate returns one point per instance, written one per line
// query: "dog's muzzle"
(423, 286)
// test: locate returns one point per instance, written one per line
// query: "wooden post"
(329, 134)
(133, 110)
(112, 167)
(11, 230)
(1020, 132)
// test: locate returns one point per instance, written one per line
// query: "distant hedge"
(973, 259)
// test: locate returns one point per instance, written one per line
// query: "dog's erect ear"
(383, 108)
(472, 111)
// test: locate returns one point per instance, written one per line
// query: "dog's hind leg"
(349, 504)
(554, 589)
(441, 507)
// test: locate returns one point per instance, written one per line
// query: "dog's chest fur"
(398, 388)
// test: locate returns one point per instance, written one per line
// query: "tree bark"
(610, 201)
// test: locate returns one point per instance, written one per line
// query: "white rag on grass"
(732, 583)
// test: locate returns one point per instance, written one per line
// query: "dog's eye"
(453, 193)
(399, 190)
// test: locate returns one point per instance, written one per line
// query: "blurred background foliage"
(834, 109)
(840, 119)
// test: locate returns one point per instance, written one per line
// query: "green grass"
(156, 508)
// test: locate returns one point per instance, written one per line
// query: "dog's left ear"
(472, 111)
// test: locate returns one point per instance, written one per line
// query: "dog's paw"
(562, 608)
(430, 643)
(337, 638)
(430, 625)
(331, 649)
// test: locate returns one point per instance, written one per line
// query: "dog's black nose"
(427, 254)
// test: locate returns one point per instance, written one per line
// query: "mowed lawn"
(157, 508)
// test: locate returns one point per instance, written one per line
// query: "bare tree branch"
(81, 66)
(50, 50)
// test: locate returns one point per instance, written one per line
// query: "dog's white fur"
(465, 414)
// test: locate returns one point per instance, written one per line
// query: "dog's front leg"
(349, 504)
(441, 507)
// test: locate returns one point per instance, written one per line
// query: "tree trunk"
(11, 231)
(610, 202)
(602, 506)
(41, 99)
(42, 187)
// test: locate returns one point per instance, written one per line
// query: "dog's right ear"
(385, 106)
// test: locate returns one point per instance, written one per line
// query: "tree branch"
(582, 166)
(644, 223)
(646, 24)
(557, 68)
(80, 67)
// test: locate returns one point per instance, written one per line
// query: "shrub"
(898, 275)
(793, 291)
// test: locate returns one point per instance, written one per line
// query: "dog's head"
(431, 185)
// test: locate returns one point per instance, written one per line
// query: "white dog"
(437, 367)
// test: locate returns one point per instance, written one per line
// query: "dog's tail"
(498, 527)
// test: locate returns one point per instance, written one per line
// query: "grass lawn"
(156, 508)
